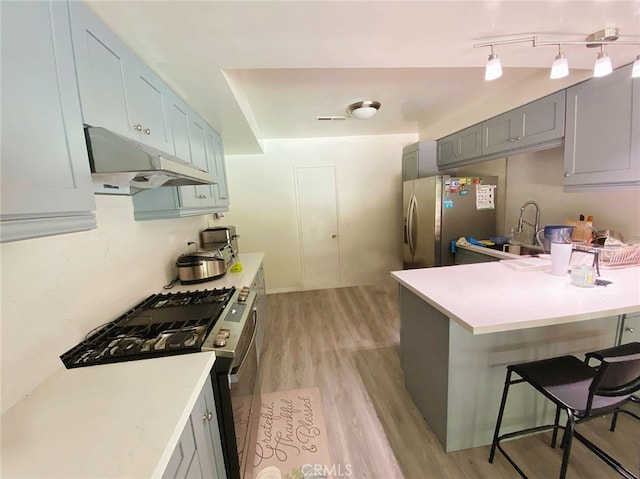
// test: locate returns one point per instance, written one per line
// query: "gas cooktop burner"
(161, 325)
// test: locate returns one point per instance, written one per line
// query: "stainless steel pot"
(200, 266)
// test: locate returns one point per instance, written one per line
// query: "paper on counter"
(528, 264)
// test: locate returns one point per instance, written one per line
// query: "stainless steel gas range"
(221, 320)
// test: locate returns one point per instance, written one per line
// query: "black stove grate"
(161, 325)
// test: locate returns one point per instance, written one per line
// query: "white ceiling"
(265, 69)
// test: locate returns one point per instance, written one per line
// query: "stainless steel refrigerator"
(440, 209)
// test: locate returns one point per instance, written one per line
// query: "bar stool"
(621, 350)
(579, 390)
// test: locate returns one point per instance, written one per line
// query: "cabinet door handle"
(147, 131)
(629, 330)
(137, 127)
(208, 416)
(567, 175)
(202, 197)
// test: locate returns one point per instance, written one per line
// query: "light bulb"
(494, 68)
(602, 66)
(560, 67)
(635, 73)
(364, 113)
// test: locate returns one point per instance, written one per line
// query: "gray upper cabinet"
(191, 134)
(45, 183)
(419, 160)
(149, 107)
(537, 123)
(197, 196)
(117, 90)
(602, 143)
(217, 166)
(460, 147)
(179, 128)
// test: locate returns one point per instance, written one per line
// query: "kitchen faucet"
(522, 221)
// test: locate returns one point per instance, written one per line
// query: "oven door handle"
(234, 378)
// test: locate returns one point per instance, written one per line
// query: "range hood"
(123, 166)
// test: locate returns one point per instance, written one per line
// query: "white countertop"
(118, 420)
(250, 265)
(492, 297)
(115, 420)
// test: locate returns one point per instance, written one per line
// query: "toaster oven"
(216, 237)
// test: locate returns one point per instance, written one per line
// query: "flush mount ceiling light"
(560, 67)
(363, 110)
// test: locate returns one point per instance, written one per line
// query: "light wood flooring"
(345, 341)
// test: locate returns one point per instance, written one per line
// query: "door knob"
(334, 236)
(137, 127)
(208, 416)
(629, 330)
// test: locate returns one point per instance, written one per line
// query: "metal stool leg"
(556, 422)
(503, 402)
(566, 442)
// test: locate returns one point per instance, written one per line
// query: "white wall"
(56, 289)
(369, 191)
(538, 176)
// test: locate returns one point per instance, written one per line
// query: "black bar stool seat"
(581, 391)
(615, 351)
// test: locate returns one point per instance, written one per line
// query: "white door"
(318, 224)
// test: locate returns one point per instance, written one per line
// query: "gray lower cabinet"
(460, 148)
(45, 183)
(631, 331)
(602, 143)
(455, 378)
(540, 122)
(198, 454)
(258, 285)
(117, 90)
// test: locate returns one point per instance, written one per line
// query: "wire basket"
(619, 256)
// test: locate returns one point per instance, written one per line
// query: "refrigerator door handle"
(411, 224)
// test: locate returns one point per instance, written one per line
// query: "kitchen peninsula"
(461, 325)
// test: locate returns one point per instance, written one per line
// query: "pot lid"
(198, 256)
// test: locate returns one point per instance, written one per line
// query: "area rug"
(292, 437)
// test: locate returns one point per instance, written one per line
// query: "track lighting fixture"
(635, 73)
(494, 67)
(560, 67)
(602, 66)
